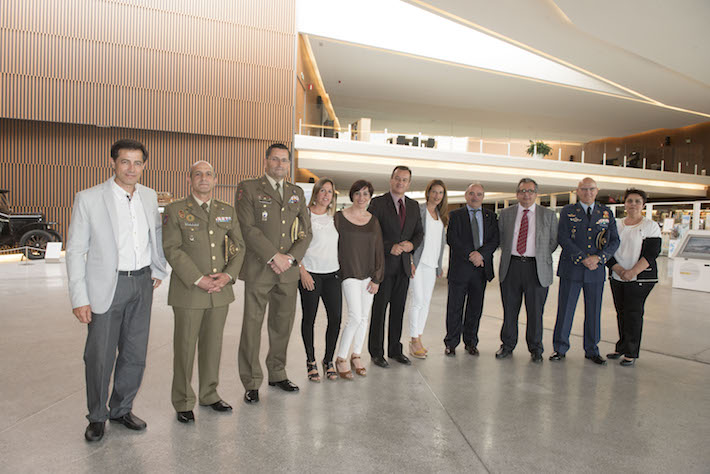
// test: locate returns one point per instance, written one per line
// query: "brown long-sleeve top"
(360, 249)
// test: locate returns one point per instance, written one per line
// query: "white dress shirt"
(530, 247)
(133, 235)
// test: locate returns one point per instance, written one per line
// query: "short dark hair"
(277, 146)
(358, 185)
(526, 180)
(128, 144)
(401, 168)
(641, 193)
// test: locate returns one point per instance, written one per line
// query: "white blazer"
(92, 247)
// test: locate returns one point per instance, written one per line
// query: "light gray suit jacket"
(545, 241)
(92, 247)
(418, 251)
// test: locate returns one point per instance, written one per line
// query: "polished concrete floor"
(462, 414)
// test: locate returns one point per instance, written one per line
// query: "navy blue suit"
(578, 237)
(467, 283)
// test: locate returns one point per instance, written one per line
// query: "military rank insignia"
(223, 219)
(190, 218)
(293, 199)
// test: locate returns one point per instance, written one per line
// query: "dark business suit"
(578, 237)
(398, 271)
(467, 283)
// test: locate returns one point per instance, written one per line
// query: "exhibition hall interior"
(187, 338)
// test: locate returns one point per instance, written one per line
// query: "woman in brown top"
(362, 267)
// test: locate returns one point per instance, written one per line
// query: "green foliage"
(542, 148)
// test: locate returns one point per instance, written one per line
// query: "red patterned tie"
(523, 234)
(402, 214)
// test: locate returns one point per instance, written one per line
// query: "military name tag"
(192, 224)
(264, 216)
(222, 219)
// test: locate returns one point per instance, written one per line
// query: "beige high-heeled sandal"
(343, 375)
(362, 371)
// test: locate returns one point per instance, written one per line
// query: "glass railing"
(661, 158)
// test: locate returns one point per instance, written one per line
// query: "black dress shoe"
(557, 356)
(536, 357)
(503, 353)
(130, 421)
(220, 405)
(627, 362)
(450, 352)
(185, 416)
(286, 385)
(380, 362)
(614, 355)
(251, 396)
(402, 359)
(473, 350)
(95, 431)
(597, 359)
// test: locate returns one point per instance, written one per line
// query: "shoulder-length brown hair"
(330, 210)
(443, 207)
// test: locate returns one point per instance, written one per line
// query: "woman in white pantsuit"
(426, 265)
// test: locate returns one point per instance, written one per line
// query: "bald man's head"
(587, 191)
(474, 195)
(202, 180)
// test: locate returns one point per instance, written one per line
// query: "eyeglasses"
(285, 161)
(527, 191)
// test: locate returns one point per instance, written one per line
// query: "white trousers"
(359, 302)
(422, 286)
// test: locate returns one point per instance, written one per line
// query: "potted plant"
(539, 149)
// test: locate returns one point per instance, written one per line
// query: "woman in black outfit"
(633, 274)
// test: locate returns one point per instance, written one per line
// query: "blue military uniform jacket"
(579, 237)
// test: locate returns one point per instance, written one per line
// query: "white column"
(572, 197)
(695, 223)
(559, 154)
(582, 156)
(604, 158)
(553, 200)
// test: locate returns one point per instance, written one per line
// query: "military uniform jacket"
(272, 225)
(198, 244)
(580, 237)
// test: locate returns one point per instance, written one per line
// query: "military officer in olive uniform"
(588, 237)
(274, 219)
(204, 246)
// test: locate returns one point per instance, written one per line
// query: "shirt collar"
(585, 206)
(120, 192)
(273, 182)
(531, 209)
(200, 203)
(470, 209)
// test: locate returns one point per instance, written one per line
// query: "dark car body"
(24, 229)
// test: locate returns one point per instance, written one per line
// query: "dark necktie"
(205, 208)
(278, 189)
(523, 234)
(589, 213)
(402, 214)
(474, 229)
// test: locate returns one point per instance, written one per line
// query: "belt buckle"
(129, 273)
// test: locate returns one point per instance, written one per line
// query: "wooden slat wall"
(44, 164)
(192, 79)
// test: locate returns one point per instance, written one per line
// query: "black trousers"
(522, 281)
(392, 292)
(469, 293)
(629, 300)
(327, 288)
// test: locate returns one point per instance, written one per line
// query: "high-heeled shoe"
(329, 370)
(312, 370)
(421, 344)
(418, 353)
(361, 371)
(348, 375)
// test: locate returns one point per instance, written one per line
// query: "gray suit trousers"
(123, 328)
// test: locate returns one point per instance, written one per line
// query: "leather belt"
(522, 259)
(131, 273)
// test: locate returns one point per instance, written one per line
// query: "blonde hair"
(443, 206)
(316, 189)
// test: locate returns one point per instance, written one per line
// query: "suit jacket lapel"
(197, 210)
(110, 203)
(145, 201)
(539, 224)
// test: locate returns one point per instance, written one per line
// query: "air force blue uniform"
(580, 237)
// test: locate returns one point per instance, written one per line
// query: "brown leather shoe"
(362, 371)
(347, 375)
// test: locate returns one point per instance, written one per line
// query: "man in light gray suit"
(528, 236)
(114, 261)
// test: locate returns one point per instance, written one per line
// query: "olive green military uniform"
(271, 224)
(197, 244)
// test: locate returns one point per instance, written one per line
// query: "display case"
(691, 261)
